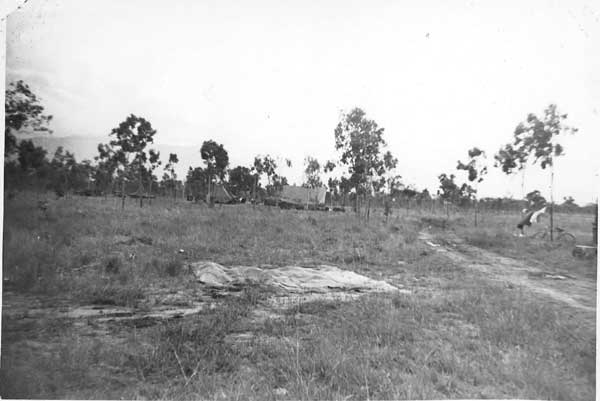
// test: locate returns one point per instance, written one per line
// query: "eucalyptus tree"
(360, 144)
(312, 171)
(266, 165)
(170, 177)
(216, 159)
(241, 180)
(128, 150)
(154, 163)
(22, 112)
(511, 160)
(536, 137)
(476, 168)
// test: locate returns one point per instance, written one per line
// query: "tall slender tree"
(153, 163)
(170, 177)
(360, 144)
(537, 137)
(312, 170)
(266, 165)
(476, 169)
(257, 170)
(128, 150)
(216, 159)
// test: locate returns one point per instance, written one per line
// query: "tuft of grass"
(61, 369)
(117, 291)
(113, 264)
(198, 347)
(434, 222)
(489, 240)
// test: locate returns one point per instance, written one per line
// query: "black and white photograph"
(299, 200)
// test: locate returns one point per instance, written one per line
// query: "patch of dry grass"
(48, 252)
(477, 342)
(456, 336)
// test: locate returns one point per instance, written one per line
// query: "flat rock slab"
(296, 279)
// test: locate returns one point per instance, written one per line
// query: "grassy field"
(497, 233)
(457, 335)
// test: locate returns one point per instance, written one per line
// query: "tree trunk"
(254, 191)
(208, 191)
(122, 194)
(141, 189)
(551, 203)
(209, 199)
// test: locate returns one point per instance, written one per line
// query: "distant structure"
(220, 194)
(302, 195)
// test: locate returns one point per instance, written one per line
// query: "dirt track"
(567, 289)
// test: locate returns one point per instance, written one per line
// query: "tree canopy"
(360, 144)
(30, 157)
(475, 166)
(22, 110)
(536, 136)
(534, 141)
(127, 151)
(451, 192)
(241, 180)
(312, 170)
(216, 158)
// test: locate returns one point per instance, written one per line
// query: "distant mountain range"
(87, 148)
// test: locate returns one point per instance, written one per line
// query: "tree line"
(364, 171)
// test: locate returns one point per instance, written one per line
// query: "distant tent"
(220, 194)
(301, 195)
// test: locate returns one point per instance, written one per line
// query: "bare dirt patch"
(568, 289)
(280, 288)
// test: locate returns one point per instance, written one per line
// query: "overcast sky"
(273, 76)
